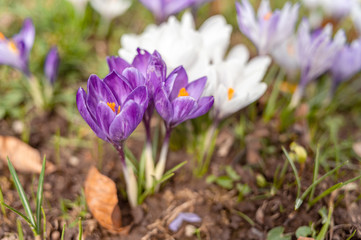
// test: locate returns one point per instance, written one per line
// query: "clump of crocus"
(162, 9)
(196, 48)
(346, 64)
(16, 50)
(316, 52)
(115, 106)
(268, 29)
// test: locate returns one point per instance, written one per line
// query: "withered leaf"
(101, 197)
(23, 157)
(357, 148)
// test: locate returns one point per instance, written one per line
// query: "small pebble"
(18, 127)
(74, 161)
(55, 235)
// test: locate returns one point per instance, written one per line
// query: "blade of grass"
(331, 189)
(20, 230)
(298, 181)
(44, 223)
(18, 213)
(322, 233)
(272, 101)
(1, 201)
(80, 230)
(22, 195)
(39, 196)
(62, 233)
(304, 195)
(315, 173)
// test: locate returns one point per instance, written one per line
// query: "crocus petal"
(118, 85)
(117, 64)
(26, 35)
(188, 217)
(126, 121)
(182, 106)
(174, 84)
(204, 105)
(134, 77)
(141, 61)
(196, 87)
(87, 116)
(98, 91)
(139, 96)
(105, 116)
(51, 65)
(163, 105)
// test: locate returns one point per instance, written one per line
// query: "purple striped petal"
(134, 77)
(163, 105)
(176, 80)
(195, 88)
(182, 107)
(117, 64)
(118, 85)
(139, 96)
(204, 105)
(125, 122)
(86, 115)
(105, 116)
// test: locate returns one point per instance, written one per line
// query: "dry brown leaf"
(357, 148)
(23, 157)
(101, 197)
(305, 238)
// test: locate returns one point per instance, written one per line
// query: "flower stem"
(149, 163)
(130, 180)
(296, 98)
(159, 169)
(207, 150)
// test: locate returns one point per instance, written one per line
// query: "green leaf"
(18, 213)
(225, 182)
(303, 231)
(20, 230)
(62, 232)
(232, 173)
(39, 196)
(277, 234)
(211, 179)
(22, 195)
(80, 236)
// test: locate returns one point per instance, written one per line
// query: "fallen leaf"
(357, 148)
(23, 157)
(305, 238)
(101, 197)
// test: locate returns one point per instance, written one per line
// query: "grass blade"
(331, 189)
(20, 230)
(298, 181)
(22, 195)
(62, 233)
(315, 172)
(39, 197)
(1, 201)
(80, 230)
(323, 232)
(18, 213)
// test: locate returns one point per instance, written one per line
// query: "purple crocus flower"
(112, 108)
(188, 217)
(51, 65)
(346, 64)
(15, 51)
(268, 29)
(177, 100)
(316, 53)
(162, 9)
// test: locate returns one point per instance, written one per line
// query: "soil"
(222, 212)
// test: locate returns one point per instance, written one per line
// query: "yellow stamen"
(2, 37)
(230, 93)
(267, 16)
(183, 93)
(13, 47)
(111, 105)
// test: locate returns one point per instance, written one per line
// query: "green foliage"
(277, 234)
(34, 221)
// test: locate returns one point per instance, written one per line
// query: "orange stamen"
(267, 16)
(111, 105)
(118, 110)
(230, 93)
(13, 47)
(2, 37)
(183, 93)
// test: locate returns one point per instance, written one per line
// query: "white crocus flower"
(180, 43)
(110, 9)
(236, 82)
